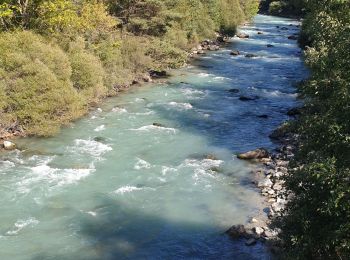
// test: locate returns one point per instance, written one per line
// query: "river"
(114, 186)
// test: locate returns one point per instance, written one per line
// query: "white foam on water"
(149, 128)
(145, 113)
(100, 128)
(201, 167)
(89, 147)
(204, 75)
(138, 100)
(129, 189)
(119, 110)
(5, 165)
(166, 170)
(221, 78)
(126, 189)
(93, 117)
(92, 213)
(193, 93)
(181, 106)
(142, 164)
(277, 93)
(21, 224)
(43, 173)
(99, 110)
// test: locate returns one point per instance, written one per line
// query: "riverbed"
(152, 173)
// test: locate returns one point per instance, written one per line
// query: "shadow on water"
(120, 232)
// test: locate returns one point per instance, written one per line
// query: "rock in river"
(9, 145)
(256, 154)
(246, 98)
(242, 35)
(236, 231)
(250, 55)
(234, 53)
(233, 90)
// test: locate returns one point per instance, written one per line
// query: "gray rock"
(258, 230)
(265, 183)
(242, 35)
(256, 154)
(250, 55)
(236, 231)
(277, 186)
(9, 145)
(234, 53)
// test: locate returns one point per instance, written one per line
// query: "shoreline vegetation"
(60, 58)
(306, 180)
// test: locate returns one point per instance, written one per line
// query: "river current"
(114, 186)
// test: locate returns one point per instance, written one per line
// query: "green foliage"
(277, 7)
(36, 81)
(316, 224)
(283, 7)
(87, 75)
(88, 49)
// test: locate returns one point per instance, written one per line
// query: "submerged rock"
(9, 145)
(233, 90)
(250, 242)
(234, 53)
(270, 45)
(263, 116)
(256, 154)
(260, 33)
(250, 55)
(99, 139)
(246, 98)
(236, 231)
(293, 37)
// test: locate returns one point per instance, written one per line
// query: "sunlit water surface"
(138, 191)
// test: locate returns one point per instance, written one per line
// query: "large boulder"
(236, 231)
(9, 145)
(255, 154)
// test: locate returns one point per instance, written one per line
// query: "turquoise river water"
(114, 186)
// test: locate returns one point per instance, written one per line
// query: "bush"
(276, 8)
(87, 75)
(316, 223)
(35, 77)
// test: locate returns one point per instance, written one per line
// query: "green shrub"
(87, 75)
(38, 90)
(276, 8)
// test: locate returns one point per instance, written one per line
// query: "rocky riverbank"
(268, 178)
